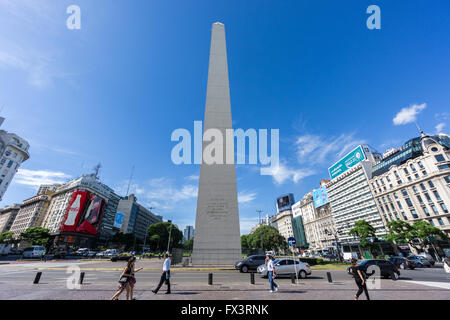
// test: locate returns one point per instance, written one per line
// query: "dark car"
(250, 263)
(387, 268)
(403, 263)
(122, 256)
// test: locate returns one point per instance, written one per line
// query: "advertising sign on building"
(350, 160)
(91, 220)
(296, 211)
(285, 202)
(74, 211)
(118, 221)
(320, 197)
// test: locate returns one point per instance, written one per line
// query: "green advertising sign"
(347, 162)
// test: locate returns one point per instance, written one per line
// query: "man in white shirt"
(165, 277)
(271, 273)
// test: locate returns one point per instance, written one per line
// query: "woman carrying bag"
(127, 280)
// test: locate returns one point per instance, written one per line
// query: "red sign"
(74, 211)
(91, 219)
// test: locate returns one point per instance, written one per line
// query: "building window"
(444, 208)
(396, 174)
(431, 184)
(431, 222)
(395, 195)
(439, 158)
(392, 206)
(399, 205)
(408, 202)
(441, 222)
(444, 166)
(10, 163)
(415, 189)
(404, 192)
(420, 200)
(447, 179)
(435, 210)
(404, 216)
(428, 197)
(422, 186)
(420, 164)
(409, 179)
(414, 214)
(399, 182)
(436, 194)
(424, 172)
(427, 212)
(388, 179)
(406, 171)
(412, 167)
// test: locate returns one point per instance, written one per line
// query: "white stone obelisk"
(217, 233)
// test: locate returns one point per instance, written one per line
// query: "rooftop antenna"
(129, 181)
(420, 130)
(97, 169)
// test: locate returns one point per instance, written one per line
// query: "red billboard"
(74, 211)
(92, 217)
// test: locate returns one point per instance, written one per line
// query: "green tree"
(189, 245)
(126, 240)
(245, 242)
(36, 236)
(158, 235)
(6, 237)
(363, 231)
(416, 235)
(271, 238)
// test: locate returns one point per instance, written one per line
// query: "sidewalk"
(304, 290)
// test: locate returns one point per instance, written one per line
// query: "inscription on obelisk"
(217, 235)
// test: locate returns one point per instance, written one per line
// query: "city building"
(13, 151)
(262, 222)
(350, 195)
(7, 216)
(188, 233)
(282, 221)
(79, 199)
(412, 183)
(33, 210)
(136, 218)
(318, 221)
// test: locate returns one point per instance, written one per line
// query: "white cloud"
(314, 149)
(192, 177)
(244, 197)
(35, 178)
(439, 127)
(283, 173)
(408, 114)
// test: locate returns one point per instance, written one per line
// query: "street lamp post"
(170, 232)
(336, 241)
(260, 230)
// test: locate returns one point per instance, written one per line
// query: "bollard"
(329, 277)
(210, 279)
(252, 278)
(81, 278)
(37, 278)
(292, 278)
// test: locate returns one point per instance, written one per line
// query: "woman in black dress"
(360, 280)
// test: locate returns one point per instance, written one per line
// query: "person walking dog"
(360, 279)
(165, 277)
(271, 273)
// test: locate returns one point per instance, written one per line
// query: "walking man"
(271, 273)
(165, 277)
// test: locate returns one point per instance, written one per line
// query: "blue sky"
(113, 91)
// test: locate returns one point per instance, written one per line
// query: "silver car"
(286, 267)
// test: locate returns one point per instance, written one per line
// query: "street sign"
(291, 241)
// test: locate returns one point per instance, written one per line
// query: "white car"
(286, 267)
(33, 252)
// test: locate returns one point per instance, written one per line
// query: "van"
(33, 252)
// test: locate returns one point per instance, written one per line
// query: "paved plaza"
(100, 283)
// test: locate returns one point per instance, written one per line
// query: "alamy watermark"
(220, 149)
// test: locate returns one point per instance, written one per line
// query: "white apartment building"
(282, 221)
(315, 222)
(33, 210)
(350, 195)
(61, 197)
(13, 151)
(413, 182)
(7, 216)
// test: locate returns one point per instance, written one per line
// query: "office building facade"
(7, 216)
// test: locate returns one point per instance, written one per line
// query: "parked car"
(420, 261)
(428, 257)
(387, 268)
(286, 267)
(403, 263)
(15, 251)
(33, 252)
(91, 254)
(122, 256)
(250, 263)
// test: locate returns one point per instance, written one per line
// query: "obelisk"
(217, 233)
